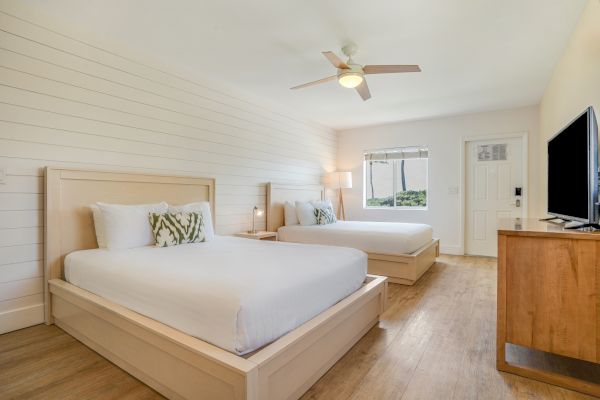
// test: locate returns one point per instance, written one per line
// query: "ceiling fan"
(352, 75)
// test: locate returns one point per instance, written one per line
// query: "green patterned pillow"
(178, 228)
(325, 216)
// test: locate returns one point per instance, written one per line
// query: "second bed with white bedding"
(235, 293)
(393, 238)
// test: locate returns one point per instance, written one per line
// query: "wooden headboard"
(278, 194)
(69, 192)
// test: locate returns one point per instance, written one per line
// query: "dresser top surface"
(535, 227)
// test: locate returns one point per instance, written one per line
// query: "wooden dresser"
(548, 300)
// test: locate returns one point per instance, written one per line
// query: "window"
(396, 178)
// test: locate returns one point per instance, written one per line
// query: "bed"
(403, 252)
(229, 281)
(109, 311)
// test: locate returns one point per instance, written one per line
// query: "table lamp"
(255, 213)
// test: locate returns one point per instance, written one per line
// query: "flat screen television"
(573, 170)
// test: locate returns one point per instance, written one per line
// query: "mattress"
(235, 293)
(373, 237)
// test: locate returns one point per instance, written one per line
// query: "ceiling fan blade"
(335, 60)
(363, 90)
(390, 69)
(329, 78)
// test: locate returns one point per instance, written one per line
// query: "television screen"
(572, 156)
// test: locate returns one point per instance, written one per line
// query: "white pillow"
(98, 226)
(200, 207)
(289, 214)
(306, 213)
(128, 226)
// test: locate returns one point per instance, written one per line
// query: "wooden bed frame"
(405, 269)
(175, 364)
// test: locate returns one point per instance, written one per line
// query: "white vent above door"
(492, 152)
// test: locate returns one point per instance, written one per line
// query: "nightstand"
(259, 235)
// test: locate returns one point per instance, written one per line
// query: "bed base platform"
(405, 269)
(180, 366)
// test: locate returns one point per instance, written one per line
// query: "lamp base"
(341, 214)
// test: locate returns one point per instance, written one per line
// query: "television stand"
(536, 262)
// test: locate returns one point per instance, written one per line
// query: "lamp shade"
(340, 180)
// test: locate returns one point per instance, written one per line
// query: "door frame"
(524, 136)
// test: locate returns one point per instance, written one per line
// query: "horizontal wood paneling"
(21, 236)
(21, 288)
(22, 184)
(21, 302)
(21, 253)
(65, 101)
(23, 270)
(21, 201)
(21, 219)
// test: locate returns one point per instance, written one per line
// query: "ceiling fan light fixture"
(350, 80)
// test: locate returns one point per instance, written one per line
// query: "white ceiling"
(476, 55)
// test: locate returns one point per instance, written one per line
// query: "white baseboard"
(21, 318)
(454, 250)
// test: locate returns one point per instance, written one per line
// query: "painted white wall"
(443, 137)
(64, 102)
(575, 85)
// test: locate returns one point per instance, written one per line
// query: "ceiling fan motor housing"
(350, 49)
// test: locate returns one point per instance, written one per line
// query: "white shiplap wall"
(66, 102)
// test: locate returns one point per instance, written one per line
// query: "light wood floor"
(437, 341)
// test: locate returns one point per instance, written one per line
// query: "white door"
(494, 174)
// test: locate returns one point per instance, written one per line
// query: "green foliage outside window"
(409, 198)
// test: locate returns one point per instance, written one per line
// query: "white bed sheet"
(373, 237)
(235, 293)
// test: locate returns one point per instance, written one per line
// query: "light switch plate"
(2, 176)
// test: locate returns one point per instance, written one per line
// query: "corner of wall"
(574, 85)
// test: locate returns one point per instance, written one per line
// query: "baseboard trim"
(21, 318)
(454, 250)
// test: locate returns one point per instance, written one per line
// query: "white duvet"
(373, 237)
(235, 293)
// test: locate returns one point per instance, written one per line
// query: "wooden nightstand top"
(259, 235)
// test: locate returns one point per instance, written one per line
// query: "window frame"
(395, 186)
